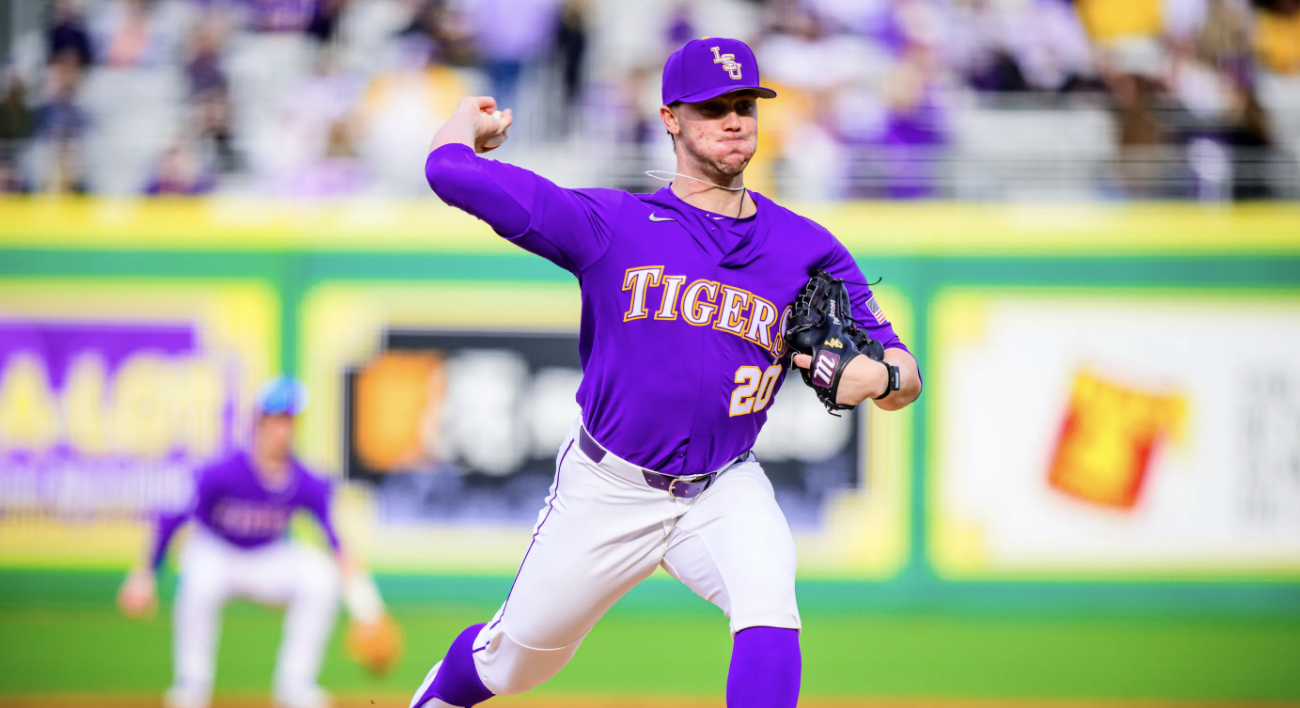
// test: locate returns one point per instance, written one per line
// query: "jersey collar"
(289, 487)
(694, 216)
(762, 229)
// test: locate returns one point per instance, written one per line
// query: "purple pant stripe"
(550, 505)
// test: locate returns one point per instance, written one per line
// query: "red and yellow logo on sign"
(1107, 438)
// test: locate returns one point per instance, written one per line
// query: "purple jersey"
(232, 502)
(682, 310)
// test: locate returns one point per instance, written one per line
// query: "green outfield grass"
(663, 643)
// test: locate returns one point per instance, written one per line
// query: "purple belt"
(681, 486)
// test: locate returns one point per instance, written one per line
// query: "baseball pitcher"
(695, 301)
(242, 505)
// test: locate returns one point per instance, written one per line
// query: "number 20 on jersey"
(754, 389)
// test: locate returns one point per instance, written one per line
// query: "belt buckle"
(706, 478)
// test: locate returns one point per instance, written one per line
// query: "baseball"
(496, 140)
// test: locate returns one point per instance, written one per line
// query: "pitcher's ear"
(669, 118)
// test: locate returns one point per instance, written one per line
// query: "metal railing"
(1202, 170)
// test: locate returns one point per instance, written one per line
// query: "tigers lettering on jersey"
(704, 303)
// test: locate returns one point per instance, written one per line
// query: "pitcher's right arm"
(569, 227)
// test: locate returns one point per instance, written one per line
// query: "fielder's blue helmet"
(282, 396)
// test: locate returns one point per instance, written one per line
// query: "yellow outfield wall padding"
(429, 226)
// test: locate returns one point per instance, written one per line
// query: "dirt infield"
(589, 701)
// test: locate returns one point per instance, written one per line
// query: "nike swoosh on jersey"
(660, 218)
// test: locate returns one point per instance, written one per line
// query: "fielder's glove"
(821, 325)
(376, 645)
(373, 638)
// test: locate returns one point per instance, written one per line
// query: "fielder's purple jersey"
(682, 310)
(232, 502)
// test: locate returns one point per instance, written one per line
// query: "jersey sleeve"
(166, 524)
(572, 228)
(165, 527)
(316, 498)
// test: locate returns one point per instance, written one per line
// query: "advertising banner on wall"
(1110, 433)
(111, 393)
(454, 425)
(454, 432)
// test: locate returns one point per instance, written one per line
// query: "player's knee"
(200, 590)
(520, 677)
(507, 667)
(765, 595)
(773, 604)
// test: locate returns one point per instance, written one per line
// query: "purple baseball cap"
(707, 68)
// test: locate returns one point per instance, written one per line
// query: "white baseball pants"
(302, 579)
(603, 530)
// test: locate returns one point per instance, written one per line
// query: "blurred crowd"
(316, 98)
(1173, 75)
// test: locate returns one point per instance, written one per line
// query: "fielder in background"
(696, 300)
(238, 548)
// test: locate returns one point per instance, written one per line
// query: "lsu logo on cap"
(728, 62)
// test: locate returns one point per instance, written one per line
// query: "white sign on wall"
(1115, 433)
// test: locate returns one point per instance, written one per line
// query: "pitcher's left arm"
(864, 378)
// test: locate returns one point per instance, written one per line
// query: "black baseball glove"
(821, 325)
